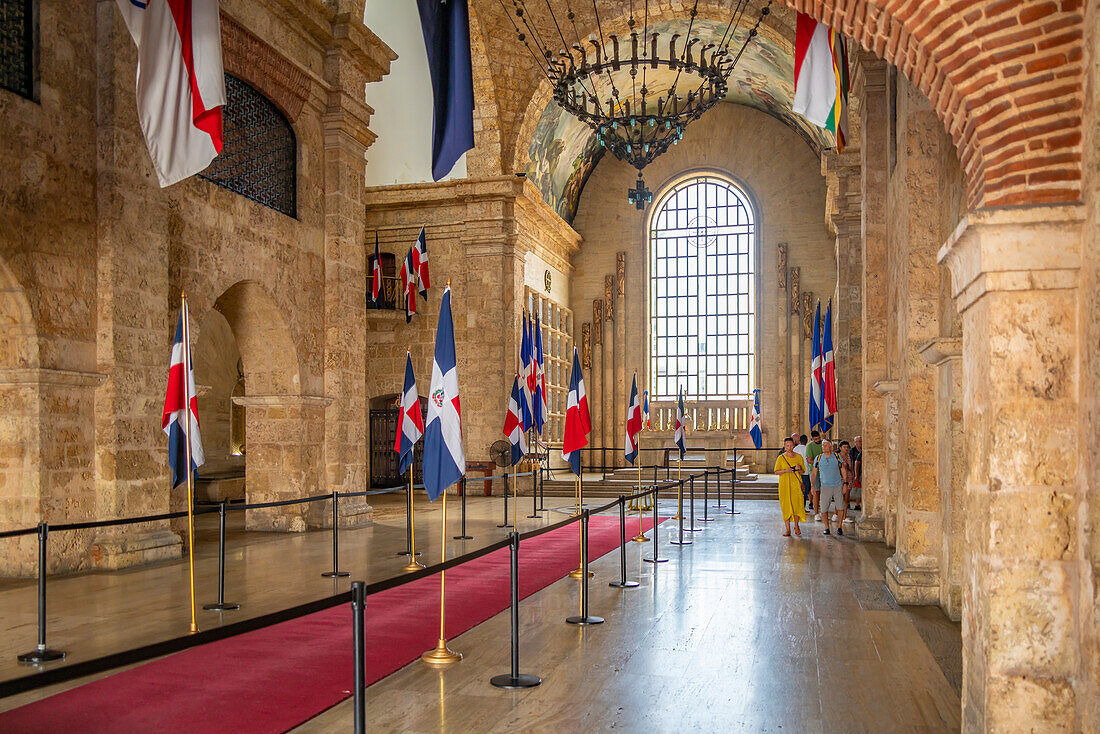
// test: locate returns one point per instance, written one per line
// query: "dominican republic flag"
(513, 424)
(444, 458)
(180, 82)
(542, 407)
(408, 285)
(410, 424)
(828, 365)
(821, 77)
(681, 424)
(376, 273)
(446, 27)
(526, 378)
(645, 408)
(817, 405)
(754, 421)
(181, 392)
(633, 422)
(578, 421)
(420, 264)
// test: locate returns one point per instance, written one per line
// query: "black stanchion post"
(462, 533)
(622, 583)
(656, 537)
(585, 618)
(706, 496)
(515, 679)
(691, 505)
(718, 487)
(680, 532)
(41, 654)
(505, 524)
(534, 493)
(733, 486)
(335, 572)
(408, 524)
(221, 605)
(358, 601)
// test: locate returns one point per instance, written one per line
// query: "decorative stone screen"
(17, 46)
(557, 348)
(702, 291)
(259, 157)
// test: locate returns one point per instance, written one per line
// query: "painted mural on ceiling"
(564, 152)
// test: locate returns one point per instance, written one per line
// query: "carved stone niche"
(586, 346)
(609, 298)
(807, 314)
(781, 249)
(620, 274)
(597, 321)
(796, 296)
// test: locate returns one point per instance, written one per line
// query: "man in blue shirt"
(830, 473)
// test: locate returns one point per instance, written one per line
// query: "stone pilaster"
(610, 344)
(620, 387)
(847, 301)
(597, 403)
(1014, 275)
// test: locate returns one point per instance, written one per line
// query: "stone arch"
(263, 338)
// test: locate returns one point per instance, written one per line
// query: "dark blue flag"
(446, 27)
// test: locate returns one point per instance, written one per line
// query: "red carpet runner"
(278, 677)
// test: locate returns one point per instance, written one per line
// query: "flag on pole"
(542, 406)
(821, 77)
(828, 365)
(527, 397)
(181, 392)
(513, 424)
(754, 421)
(444, 457)
(410, 424)
(180, 83)
(645, 409)
(446, 28)
(376, 272)
(532, 370)
(420, 264)
(817, 407)
(681, 424)
(633, 422)
(408, 285)
(578, 421)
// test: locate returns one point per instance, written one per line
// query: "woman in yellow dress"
(790, 468)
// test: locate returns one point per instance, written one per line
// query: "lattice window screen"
(557, 347)
(17, 35)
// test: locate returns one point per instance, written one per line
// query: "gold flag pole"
(187, 443)
(640, 537)
(413, 564)
(441, 654)
(680, 498)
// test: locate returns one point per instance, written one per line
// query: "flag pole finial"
(448, 282)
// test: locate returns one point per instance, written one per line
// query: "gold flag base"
(413, 565)
(578, 573)
(639, 538)
(441, 655)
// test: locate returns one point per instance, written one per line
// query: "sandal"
(798, 532)
(787, 534)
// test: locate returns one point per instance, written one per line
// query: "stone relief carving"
(620, 274)
(597, 321)
(609, 298)
(586, 346)
(796, 298)
(807, 314)
(782, 251)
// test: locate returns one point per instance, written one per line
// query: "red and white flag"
(180, 82)
(376, 272)
(410, 424)
(633, 422)
(513, 424)
(408, 285)
(181, 423)
(420, 264)
(578, 421)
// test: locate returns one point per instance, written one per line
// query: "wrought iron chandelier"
(616, 86)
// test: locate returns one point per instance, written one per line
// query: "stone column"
(610, 343)
(620, 359)
(596, 403)
(1014, 274)
(847, 308)
(794, 385)
(870, 83)
(781, 424)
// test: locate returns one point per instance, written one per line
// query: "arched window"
(259, 155)
(702, 291)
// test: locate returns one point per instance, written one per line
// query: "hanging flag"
(446, 27)
(181, 392)
(444, 458)
(420, 264)
(408, 285)
(578, 421)
(542, 407)
(513, 424)
(645, 408)
(410, 424)
(754, 421)
(828, 365)
(376, 272)
(681, 424)
(821, 77)
(817, 407)
(180, 83)
(633, 422)
(527, 399)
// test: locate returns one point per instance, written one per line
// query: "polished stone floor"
(742, 631)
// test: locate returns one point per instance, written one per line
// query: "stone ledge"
(941, 349)
(912, 586)
(871, 529)
(115, 552)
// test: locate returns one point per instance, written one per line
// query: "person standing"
(800, 449)
(790, 467)
(846, 464)
(829, 473)
(857, 472)
(813, 450)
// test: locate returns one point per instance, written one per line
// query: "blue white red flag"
(513, 425)
(645, 409)
(376, 272)
(444, 457)
(542, 408)
(420, 264)
(817, 406)
(446, 28)
(526, 350)
(410, 424)
(180, 82)
(754, 421)
(633, 422)
(408, 285)
(828, 371)
(681, 424)
(578, 421)
(181, 392)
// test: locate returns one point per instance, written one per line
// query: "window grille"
(17, 31)
(259, 156)
(557, 353)
(702, 292)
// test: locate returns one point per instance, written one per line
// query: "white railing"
(704, 415)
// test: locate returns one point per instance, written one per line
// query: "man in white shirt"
(800, 449)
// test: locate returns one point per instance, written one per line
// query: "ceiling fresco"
(563, 150)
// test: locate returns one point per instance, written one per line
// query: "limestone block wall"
(782, 176)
